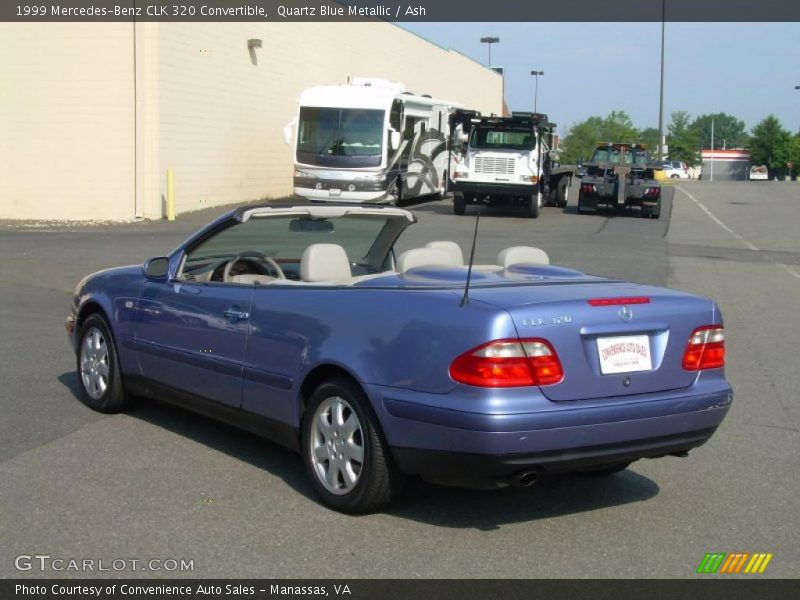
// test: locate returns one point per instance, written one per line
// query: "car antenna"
(465, 297)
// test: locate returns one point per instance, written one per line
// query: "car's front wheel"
(346, 457)
(99, 376)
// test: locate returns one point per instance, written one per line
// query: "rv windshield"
(340, 137)
(503, 139)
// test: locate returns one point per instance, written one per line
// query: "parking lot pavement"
(163, 483)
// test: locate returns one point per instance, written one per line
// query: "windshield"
(340, 137)
(366, 239)
(615, 156)
(503, 139)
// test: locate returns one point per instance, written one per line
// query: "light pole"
(661, 96)
(797, 87)
(536, 88)
(490, 41)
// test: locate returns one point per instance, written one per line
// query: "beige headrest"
(325, 262)
(423, 257)
(453, 249)
(522, 254)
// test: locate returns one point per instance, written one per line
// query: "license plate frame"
(334, 192)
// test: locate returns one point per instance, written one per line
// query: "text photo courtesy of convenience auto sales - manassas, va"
(377, 300)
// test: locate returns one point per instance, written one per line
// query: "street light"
(536, 88)
(490, 41)
(797, 87)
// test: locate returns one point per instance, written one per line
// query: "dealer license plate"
(624, 354)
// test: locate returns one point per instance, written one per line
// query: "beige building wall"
(192, 97)
(66, 121)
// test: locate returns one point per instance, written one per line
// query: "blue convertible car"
(299, 323)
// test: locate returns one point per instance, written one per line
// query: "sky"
(748, 70)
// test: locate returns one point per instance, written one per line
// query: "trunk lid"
(581, 333)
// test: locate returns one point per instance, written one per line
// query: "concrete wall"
(66, 121)
(204, 105)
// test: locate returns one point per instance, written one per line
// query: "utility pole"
(712, 149)
(661, 98)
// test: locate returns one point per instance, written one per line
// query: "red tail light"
(617, 301)
(509, 363)
(706, 349)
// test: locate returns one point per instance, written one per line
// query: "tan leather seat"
(325, 263)
(252, 279)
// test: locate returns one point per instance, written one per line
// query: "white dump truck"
(506, 160)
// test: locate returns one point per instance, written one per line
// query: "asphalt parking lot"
(163, 483)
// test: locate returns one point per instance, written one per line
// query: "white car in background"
(676, 169)
(759, 173)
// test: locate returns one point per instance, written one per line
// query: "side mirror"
(462, 137)
(156, 268)
(394, 139)
(287, 132)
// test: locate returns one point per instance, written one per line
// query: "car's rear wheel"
(346, 457)
(99, 376)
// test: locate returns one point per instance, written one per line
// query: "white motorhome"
(369, 141)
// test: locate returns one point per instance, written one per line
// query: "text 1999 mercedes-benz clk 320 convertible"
(299, 323)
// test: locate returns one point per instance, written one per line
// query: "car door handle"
(236, 315)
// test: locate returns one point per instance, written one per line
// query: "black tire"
(532, 206)
(562, 192)
(459, 204)
(605, 470)
(581, 211)
(378, 480)
(113, 398)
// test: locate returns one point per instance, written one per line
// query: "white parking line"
(736, 235)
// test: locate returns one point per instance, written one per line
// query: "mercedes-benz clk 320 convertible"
(299, 323)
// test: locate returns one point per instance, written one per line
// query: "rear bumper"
(500, 189)
(495, 470)
(430, 438)
(324, 195)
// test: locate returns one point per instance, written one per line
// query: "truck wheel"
(459, 204)
(562, 192)
(346, 456)
(532, 205)
(580, 204)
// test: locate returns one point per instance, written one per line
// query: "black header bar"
(33, 11)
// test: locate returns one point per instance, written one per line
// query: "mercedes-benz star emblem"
(625, 313)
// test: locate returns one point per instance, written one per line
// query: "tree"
(649, 136)
(729, 132)
(684, 141)
(789, 152)
(770, 144)
(583, 137)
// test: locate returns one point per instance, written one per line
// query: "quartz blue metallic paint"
(397, 335)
